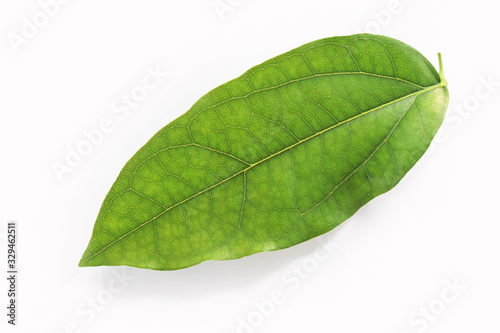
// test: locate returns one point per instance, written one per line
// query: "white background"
(395, 258)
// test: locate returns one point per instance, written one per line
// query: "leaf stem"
(444, 83)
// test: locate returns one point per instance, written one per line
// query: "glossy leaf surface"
(282, 154)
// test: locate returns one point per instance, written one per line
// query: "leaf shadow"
(211, 278)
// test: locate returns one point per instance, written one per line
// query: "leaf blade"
(253, 145)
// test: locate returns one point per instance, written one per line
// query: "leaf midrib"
(423, 90)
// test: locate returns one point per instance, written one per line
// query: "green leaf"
(284, 153)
